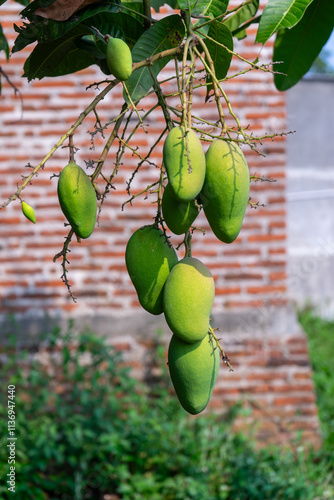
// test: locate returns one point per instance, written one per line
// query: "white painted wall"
(310, 193)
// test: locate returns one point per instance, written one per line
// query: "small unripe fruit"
(226, 189)
(28, 211)
(184, 161)
(119, 58)
(187, 299)
(77, 199)
(193, 369)
(178, 215)
(149, 260)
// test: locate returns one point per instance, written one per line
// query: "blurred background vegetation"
(87, 430)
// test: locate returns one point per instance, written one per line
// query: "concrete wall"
(310, 194)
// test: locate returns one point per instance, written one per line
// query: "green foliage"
(221, 54)
(163, 35)
(3, 42)
(302, 28)
(321, 347)
(279, 15)
(86, 428)
(298, 47)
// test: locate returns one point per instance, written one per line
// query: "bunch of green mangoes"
(218, 180)
(192, 359)
(183, 290)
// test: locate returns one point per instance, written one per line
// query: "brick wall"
(268, 351)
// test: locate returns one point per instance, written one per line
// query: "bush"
(321, 346)
(85, 428)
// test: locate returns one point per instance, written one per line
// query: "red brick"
(244, 304)
(267, 237)
(266, 289)
(243, 276)
(228, 291)
(281, 276)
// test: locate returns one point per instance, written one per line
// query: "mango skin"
(225, 192)
(77, 199)
(184, 161)
(194, 370)
(187, 299)
(119, 59)
(178, 215)
(28, 212)
(149, 260)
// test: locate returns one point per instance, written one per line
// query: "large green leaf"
(217, 8)
(165, 34)
(45, 30)
(220, 55)
(299, 46)
(131, 28)
(279, 14)
(241, 16)
(59, 57)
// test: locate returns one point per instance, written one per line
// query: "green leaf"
(198, 7)
(235, 20)
(107, 23)
(241, 32)
(3, 43)
(217, 8)
(165, 34)
(278, 15)
(58, 57)
(220, 55)
(156, 4)
(299, 46)
(136, 6)
(45, 30)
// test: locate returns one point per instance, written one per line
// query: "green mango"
(119, 58)
(194, 370)
(178, 215)
(28, 212)
(225, 192)
(149, 260)
(187, 299)
(184, 161)
(77, 199)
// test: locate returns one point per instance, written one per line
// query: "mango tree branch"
(147, 13)
(146, 62)
(109, 142)
(63, 253)
(210, 66)
(222, 16)
(222, 353)
(61, 141)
